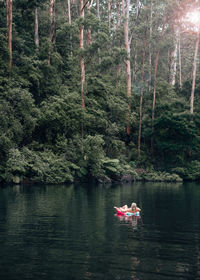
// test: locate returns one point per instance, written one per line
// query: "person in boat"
(125, 208)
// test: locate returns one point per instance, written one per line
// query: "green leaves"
(173, 132)
(191, 171)
(60, 114)
(43, 167)
(112, 166)
(18, 117)
(93, 154)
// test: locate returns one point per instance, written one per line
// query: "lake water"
(72, 233)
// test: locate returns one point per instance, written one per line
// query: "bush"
(154, 176)
(16, 166)
(189, 172)
(18, 118)
(93, 155)
(45, 167)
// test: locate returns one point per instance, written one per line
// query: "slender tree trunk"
(70, 22)
(127, 47)
(82, 65)
(89, 29)
(135, 64)
(173, 59)
(119, 14)
(137, 8)
(123, 8)
(194, 78)
(98, 16)
(174, 68)
(7, 16)
(150, 38)
(118, 28)
(52, 15)
(179, 60)
(141, 99)
(136, 49)
(69, 11)
(155, 83)
(36, 35)
(194, 72)
(154, 99)
(9, 26)
(127, 61)
(98, 10)
(109, 13)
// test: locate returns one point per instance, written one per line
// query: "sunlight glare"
(193, 17)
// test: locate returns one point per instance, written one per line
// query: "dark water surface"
(71, 233)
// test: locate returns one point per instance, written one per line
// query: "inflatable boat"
(128, 214)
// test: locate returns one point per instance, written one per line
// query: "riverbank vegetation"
(104, 90)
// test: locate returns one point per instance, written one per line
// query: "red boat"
(127, 213)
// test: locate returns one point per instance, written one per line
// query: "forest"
(99, 90)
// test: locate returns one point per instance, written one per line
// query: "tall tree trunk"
(70, 22)
(89, 29)
(194, 72)
(173, 60)
(82, 65)
(179, 60)
(109, 13)
(98, 10)
(119, 14)
(69, 11)
(98, 16)
(127, 61)
(127, 47)
(7, 17)
(36, 35)
(136, 49)
(155, 82)
(135, 64)
(118, 28)
(123, 8)
(141, 99)
(137, 8)
(52, 15)
(150, 38)
(9, 32)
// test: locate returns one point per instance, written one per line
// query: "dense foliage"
(45, 134)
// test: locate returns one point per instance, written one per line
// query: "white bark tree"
(194, 71)
(9, 31)
(36, 35)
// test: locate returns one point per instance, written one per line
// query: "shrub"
(93, 155)
(16, 166)
(154, 176)
(45, 167)
(189, 172)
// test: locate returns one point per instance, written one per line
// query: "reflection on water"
(68, 232)
(132, 221)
